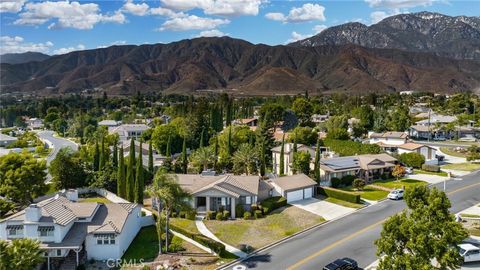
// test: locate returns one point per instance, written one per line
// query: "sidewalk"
(204, 230)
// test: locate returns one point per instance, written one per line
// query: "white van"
(469, 252)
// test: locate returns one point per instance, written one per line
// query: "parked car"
(468, 138)
(395, 194)
(440, 157)
(469, 252)
(342, 264)
(408, 170)
(439, 138)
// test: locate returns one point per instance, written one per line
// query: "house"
(437, 119)
(157, 158)
(128, 131)
(6, 140)
(422, 132)
(367, 167)
(68, 229)
(427, 151)
(294, 188)
(390, 138)
(251, 122)
(288, 156)
(319, 118)
(34, 123)
(109, 123)
(223, 192)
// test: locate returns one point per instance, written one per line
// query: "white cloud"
(377, 16)
(135, 9)
(392, 4)
(17, 44)
(12, 6)
(319, 28)
(217, 7)
(307, 12)
(297, 36)
(211, 33)
(79, 47)
(66, 15)
(191, 22)
(166, 12)
(118, 42)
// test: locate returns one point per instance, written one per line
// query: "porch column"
(208, 203)
(76, 253)
(232, 206)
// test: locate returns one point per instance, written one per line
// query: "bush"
(254, 207)
(247, 215)
(239, 210)
(182, 214)
(359, 183)
(384, 176)
(414, 160)
(219, 216)
(336, 182)
(430, 168)
(226, 214)
(173, 214)
(339, 194)
(257, 214)
(210, 215)
(270, 204)
(191, 215)
(176, 245)
(347, 180)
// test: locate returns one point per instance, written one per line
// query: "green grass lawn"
(431, 173)
(261, 232)
(466, 166)
(470, 216)
(95, 199)
(184, 223)
(144, 246)
(449, 151)
(392, 184)
(368, 193)
(343, 203)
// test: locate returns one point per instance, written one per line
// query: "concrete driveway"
(327, 210)
(429, 178)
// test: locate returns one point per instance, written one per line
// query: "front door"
(201, 202)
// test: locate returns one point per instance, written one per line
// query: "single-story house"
(391, 137)
(367, 167)
(6, 140)
(435, 118)
(158, 159)
(34, 123)
(319, 118)
(109, 123)
(128, 131)
(70, 229)
(427, 151)
(251, 122)
(294, 188)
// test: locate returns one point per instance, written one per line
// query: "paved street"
(56, 142)
(353, 235)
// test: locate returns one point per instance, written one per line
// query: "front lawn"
(417, 171)
(186, 224)
(407, 183)
(97, 199)
(451, 152)
(144, 246)
(343, 203)
(257, 233)
(466, 166)
(368, 193)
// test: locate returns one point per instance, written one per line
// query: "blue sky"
(56, 27)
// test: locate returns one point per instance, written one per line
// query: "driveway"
(429, 178)
(448, 158)
(327, 210)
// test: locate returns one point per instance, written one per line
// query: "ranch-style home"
(70, 231)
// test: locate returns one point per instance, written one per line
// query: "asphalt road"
(443, 144)
(58, 143)
(351, 236)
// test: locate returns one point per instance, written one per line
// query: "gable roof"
(229, 184)
(390, 135)
(292, 182)
(412, 146)
(365, 162)
(5, 137)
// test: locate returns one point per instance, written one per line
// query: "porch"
(203, 204)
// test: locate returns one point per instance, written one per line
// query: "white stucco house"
(34, 123)
(128, 131)
(398, 143)
(294, 187)
(72, 231)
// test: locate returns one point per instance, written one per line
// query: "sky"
(58, 27)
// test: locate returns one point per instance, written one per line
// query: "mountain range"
(19, 58)
(420, 51)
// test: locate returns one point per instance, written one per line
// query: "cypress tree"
(228, 119)
(139, 181)
(229, 141)
(115, 155)
(150, 158)
(215, 152)
(294, 171)
(316, 169)
(262, 160)
(96, 157)
(130, 185)
(184, 156)
(202, 137)
(121, 174)
(168, 152)
(102, 155)
(282, 158)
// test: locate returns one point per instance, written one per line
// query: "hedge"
(336, 182)
(430, 168)
(339, 194)
(347, 180)
(270, 204)
(413, 159)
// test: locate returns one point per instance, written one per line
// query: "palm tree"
(245, 158)
(171, 197)
(202, 157)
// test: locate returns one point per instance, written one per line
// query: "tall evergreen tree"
(316, 169)
(229, 141)
(202, 137)
(168, 152)
(282, 158)
(115, 155)
(228, 119)
(150, 158)
(121, 188)
(139, 181)
(262, 159)
(96, 157)
(216, 148)
(130, 183)
(102, 155)
(184, 156)
(294, 151)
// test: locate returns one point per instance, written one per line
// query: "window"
(59, 252)
(105, 239)
(248, 200)
(45, 231)
(15, 230)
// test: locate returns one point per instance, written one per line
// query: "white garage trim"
(295, 195)
(307, 193)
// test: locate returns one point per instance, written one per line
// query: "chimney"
(72, 195)
(33, 213)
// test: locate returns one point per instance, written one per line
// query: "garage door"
(295, 195)
(308, 193)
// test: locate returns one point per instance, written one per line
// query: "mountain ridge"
(19, 58)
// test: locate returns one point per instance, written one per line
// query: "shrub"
(219, 216)
(359, 183)
(247, 215)
(347, 180)
(430, 168)
(218, 247)
(191, 215)
(176, 244)
(254, 207)
(257, 214)
(384, 176)
(226, 214)
(270, 204)
(239, 210)
(339, 194)
(182, 214)
(414, 160)
(210, 215)
(173, 214)
(336, 182)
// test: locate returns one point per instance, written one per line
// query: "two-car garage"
(295, 187)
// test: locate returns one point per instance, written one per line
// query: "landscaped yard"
(417, 171)
(184, 223)
(466, 166)
(97, 199)
(144, 246)
(343, 203)
(451, 152)
(368, 193)
(392, 184)
(257, 233)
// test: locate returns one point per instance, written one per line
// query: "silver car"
(395, 194)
